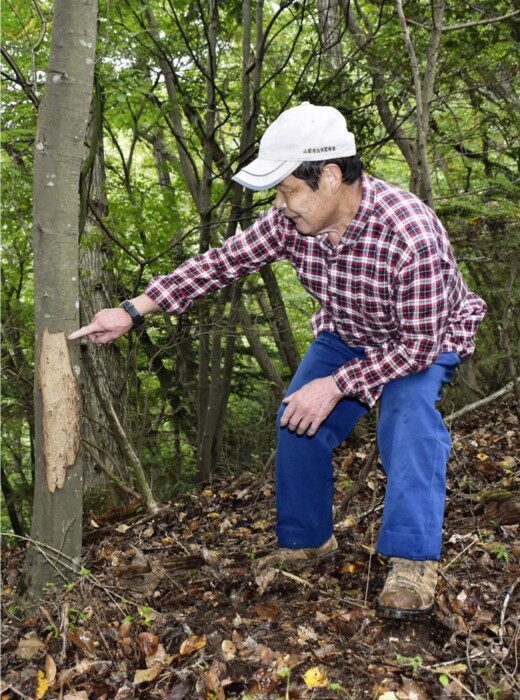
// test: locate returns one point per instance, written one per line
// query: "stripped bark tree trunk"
(55, 548)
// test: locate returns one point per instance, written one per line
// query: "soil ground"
(170, 606)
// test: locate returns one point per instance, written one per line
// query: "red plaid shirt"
(391, 285)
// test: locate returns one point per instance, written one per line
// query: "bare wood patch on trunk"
(60, 409)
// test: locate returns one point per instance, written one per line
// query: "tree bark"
(280, 319)
(97, 292)
(209, 409)
(260, 353)
(330, 32)
(62, 119)
(10, 504)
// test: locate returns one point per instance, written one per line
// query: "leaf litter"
(171, 606)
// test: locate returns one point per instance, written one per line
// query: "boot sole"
(398, 614)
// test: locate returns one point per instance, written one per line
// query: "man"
(396, 319)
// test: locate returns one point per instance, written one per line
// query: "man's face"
(313, 211)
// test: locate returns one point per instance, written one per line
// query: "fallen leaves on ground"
(174, 609)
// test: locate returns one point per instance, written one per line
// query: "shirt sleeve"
(421, 311)
(242, 254)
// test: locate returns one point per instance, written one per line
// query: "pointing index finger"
(82, 332)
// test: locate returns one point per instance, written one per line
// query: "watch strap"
(137, 319)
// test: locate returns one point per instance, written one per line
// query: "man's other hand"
(308, 407)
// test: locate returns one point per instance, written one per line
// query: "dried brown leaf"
(159, 656)
(450, 669)
(229, 650)
(124, 629)
(192, 644)
(146, 675)
(148, 643)
(83, 639)
(31, 648)
(414, 690)
(268, 610)
(50, 669)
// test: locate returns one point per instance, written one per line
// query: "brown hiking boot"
(409, 589)
(287, 556)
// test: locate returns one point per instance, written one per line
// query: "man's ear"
(332, 176)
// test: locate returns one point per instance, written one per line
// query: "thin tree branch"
(504, 608)
(478, 404)
(362, 477)
(121, 437)
(68, 563)
(110, 474)
(43, 30)
(20, 80)
(492, 20)
(466, 25)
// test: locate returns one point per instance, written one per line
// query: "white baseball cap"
(300, 134)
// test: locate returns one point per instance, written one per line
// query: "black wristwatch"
(137, 319)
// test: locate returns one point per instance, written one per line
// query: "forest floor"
(170, 606)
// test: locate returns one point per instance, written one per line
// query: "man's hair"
(311, 170)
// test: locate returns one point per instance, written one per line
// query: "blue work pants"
(414, 445)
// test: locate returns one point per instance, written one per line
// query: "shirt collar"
(366, 208)
(358, 223)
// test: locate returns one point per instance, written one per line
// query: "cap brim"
(263, 174)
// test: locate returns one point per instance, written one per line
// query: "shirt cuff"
(350, 381)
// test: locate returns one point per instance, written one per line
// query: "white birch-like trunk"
(54, 552)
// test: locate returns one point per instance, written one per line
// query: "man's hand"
(308, 407)
(107, 325)
(110, 324)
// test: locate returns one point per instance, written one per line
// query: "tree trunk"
(424, 86)
(413, 149)
(260, 353)
(96, 283)
(288, 347)
(209, 408)
(330, 32)
(56, 531)
(10, 504)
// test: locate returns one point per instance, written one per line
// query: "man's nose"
(279, 201)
